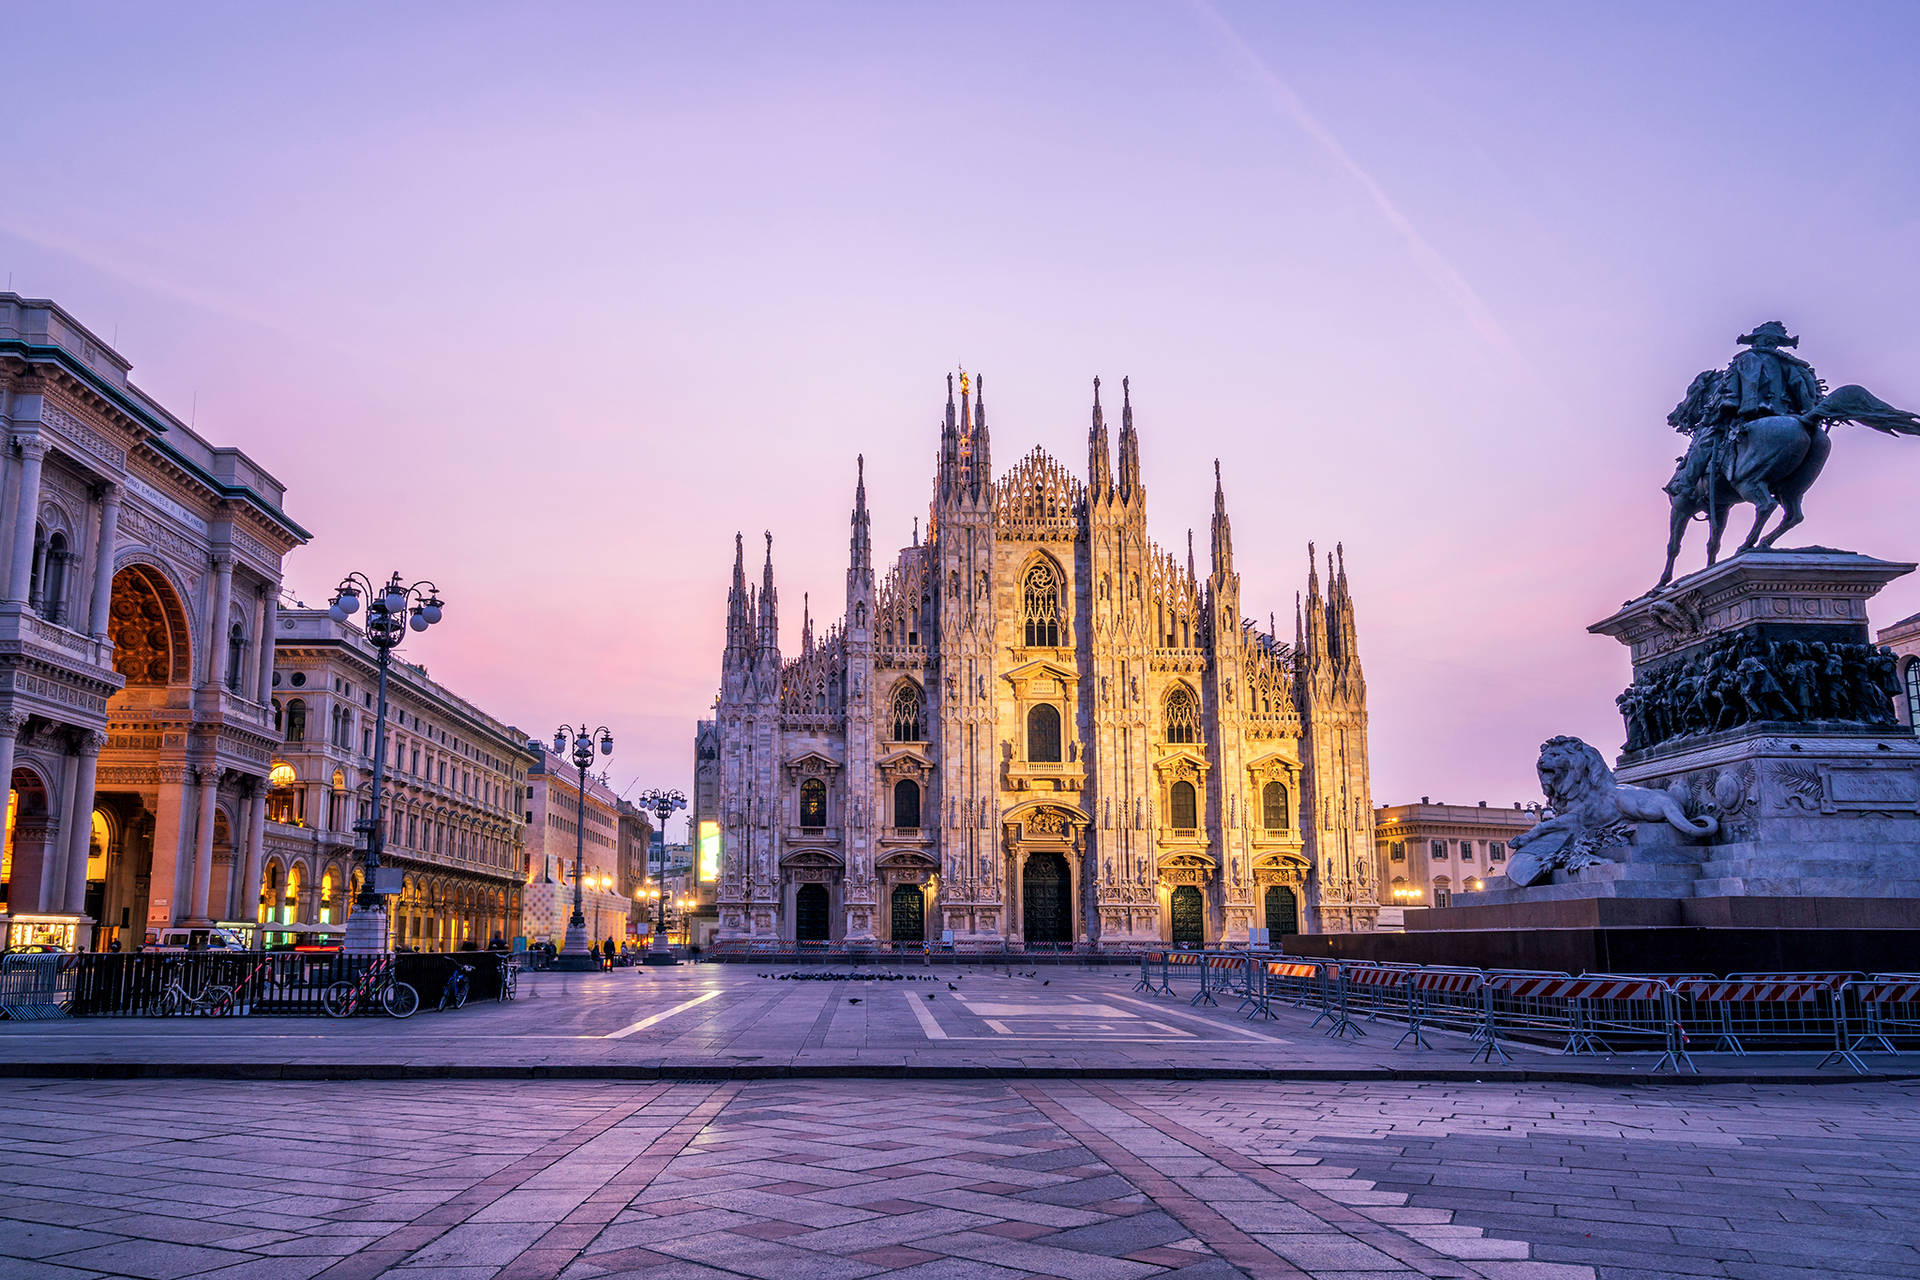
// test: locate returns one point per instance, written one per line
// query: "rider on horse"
(1763, 381)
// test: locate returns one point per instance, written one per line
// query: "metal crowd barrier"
(1847, 1014)
(35, 987)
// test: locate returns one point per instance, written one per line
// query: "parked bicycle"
(345, 998)
(509, 978)
(459, 984)
(211, 999)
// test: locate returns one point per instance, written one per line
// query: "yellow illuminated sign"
(709, 851)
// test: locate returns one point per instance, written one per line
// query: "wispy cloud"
(1443, 273)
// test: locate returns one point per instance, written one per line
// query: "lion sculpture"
(1591, 812)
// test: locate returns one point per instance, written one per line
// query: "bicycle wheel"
(219, 1001)
(337, 999)
(399, 999)
(172, 1000)
(460, 993)
(509, 983)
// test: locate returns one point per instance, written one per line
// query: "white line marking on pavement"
(924, 1016)
(662, 1016)
(1194, 1017)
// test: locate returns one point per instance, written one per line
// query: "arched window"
(236, 653)
(1184, 804)
(281, 793)
(1183, 715)
(908, 723)
(813, 803)
(1040, 606)
(1273, 807)
(1043, 734)
(54, 598)
(906, 805)
(1913, 693)
(297, 720)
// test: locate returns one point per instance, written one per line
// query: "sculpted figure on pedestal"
(1758, 434)
(1591, 812)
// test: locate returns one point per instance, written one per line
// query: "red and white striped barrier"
(1752, 990)
(1591, 986)
(1449, 982)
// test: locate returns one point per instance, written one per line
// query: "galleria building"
(1039, 727)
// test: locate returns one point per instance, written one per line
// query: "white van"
(181, 940)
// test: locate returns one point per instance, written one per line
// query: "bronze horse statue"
(1770, 462)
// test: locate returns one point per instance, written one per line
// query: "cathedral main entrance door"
(1189, 917)
(810, 914)
(1045, 913)
(1283, 910)
(909, 912)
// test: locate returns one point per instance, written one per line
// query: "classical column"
(80, 837)
(203, 846)
(168, 886)
(269, 620)
(33, 453)
(103, 562)
(248, 907)
(10, 726)
(53, 864)
(218, 608)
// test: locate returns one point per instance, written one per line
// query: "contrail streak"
(1437, 268)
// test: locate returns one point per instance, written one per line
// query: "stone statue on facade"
(1591, 813)
(1758, 434)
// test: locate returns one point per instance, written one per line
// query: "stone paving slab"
(731, 1022)
(966, 1180)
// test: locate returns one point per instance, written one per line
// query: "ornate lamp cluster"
(662, 803)
(580, 745)
(392, 610)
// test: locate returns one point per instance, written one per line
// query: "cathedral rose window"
(1040, 605)
(1183, 715)
(908, 723)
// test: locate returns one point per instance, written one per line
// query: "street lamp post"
(661, 802)
(575, 954)
(391, 610)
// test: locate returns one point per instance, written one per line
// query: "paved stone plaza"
(818, 1180)
(728, 1019)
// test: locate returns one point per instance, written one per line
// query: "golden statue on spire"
(963, 380)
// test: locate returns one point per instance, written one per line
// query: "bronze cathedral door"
(908, 909)
(1045, 913)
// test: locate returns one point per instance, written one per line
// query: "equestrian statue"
(1758, 434)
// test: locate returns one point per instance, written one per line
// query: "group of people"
(1743, 678)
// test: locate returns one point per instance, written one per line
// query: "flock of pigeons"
(827, 975)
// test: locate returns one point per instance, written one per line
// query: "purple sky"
(545, 302)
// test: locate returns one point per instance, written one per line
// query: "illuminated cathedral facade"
(1038, 727)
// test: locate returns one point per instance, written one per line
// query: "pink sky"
(544, 303)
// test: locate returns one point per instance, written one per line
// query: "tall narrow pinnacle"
(1190, 573)
(860, 559)
(1129, 444)
(982, 441)
(737, 615)
(1099, 469)
(806, 622)
(769, 603)
(1222, 529)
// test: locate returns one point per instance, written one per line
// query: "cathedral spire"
(1222, 530)
(806, 622)
(737, 619)
(1099, 470)
(769, 603)
(861, 545)
(1129, 445)
(982, 443)
(1191, 575)
(1314, 643)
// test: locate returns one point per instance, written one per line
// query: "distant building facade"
(553, 818)
(141, 569)
(1426, 853)
(1037, 726)
(456, 781)
(1903, 637)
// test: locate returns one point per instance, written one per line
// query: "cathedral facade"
(1036, 726)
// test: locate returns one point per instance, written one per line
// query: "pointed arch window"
(1183, 715)
(813, 803)
(1040, 606)
(1273, 806)
(906, 805)
(1183, 804)
(907, 707)
(1043, 734)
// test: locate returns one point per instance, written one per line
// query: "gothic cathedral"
(1038, 727)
